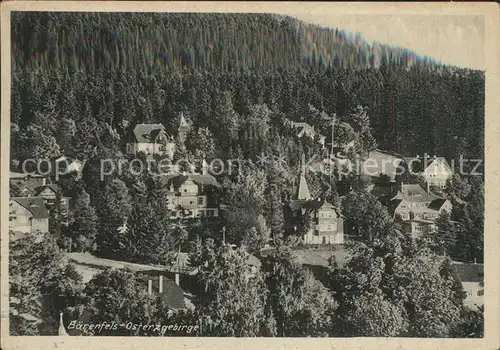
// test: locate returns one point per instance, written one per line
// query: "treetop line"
(247, 233)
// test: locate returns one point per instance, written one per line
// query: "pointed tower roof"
(204, 166)
(183, 125)
(62, 330)
(303, 192)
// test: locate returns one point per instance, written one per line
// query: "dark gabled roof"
(313, 204)
(415, 193)
(35, 205)
(155, 133)
(436, 204)
(53, 187)
(296, 204)
(177, 180)
(144, 132)
(469, 272)
(28, 186)
(172, 294)
(380, 190)
(393, 204)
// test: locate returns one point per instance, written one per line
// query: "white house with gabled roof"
(437, 172)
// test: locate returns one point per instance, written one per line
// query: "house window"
(185, 190)
(190, 202)
(210, 212)
(200, 200)
(480, 292)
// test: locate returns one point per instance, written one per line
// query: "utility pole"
(333, 130)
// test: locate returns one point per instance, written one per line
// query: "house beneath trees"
(154, 139)
(150, 139)
(24, 184)
(50, 193)
(321, 221)
(418, 208)
(32, 200)
(435, 170)
(28, 215)
(305, 129)
(191, 195)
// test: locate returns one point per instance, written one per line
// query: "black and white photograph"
(241, 174)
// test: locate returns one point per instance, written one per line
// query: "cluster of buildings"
(416, 205)
(191, 195)
(30, 206)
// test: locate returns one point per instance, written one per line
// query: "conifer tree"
(274, 206)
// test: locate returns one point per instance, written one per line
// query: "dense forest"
(113, 67)
(81, 81)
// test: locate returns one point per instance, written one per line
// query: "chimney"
(475, 261)
(150, 287)
(160, 285)
(428, 187)
(177, 278)
(402, 183)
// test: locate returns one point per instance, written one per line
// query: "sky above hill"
(451, 39)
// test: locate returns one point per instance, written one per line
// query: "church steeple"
(183, 128)
(62, 330)
(183, 124)
(303, 192)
